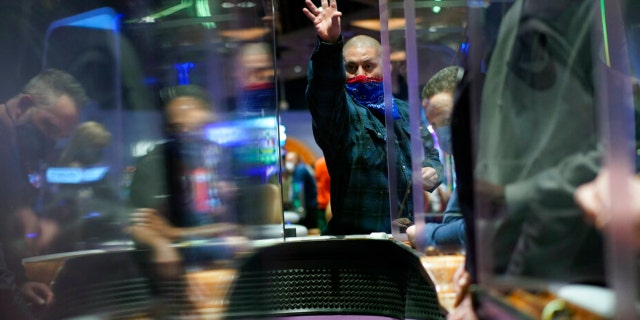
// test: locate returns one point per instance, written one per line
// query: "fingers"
(429, 177)
(142, 216)
(37, 292)
(308, 14)
(311, 6)
(312, 10)
(44, 292)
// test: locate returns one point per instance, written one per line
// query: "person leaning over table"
(438, 103)
(346, 101)
(31, 123)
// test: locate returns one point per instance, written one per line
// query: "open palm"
(325, 18)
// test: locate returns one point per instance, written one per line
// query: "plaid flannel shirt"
(353, 140)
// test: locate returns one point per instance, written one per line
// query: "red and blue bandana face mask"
(369, 92)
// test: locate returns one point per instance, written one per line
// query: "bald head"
(362, 41)
(362, 57)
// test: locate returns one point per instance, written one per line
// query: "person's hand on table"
(37, 293)
(463, 307)
(402, 223)
(461, 283)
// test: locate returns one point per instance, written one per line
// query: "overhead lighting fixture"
(437, 9)
(374, 24)
(203, 10)
(245, 34)
(397, 56)
(184, 4)
(246, 4)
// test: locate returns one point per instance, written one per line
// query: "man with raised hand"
(346, 99)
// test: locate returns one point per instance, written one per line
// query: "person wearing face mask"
(346, 101)
(256, 77)
(437, 101)
(31, 122)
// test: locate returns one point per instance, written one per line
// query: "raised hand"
(325, 18)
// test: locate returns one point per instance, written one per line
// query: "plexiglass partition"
(544, 106)
(552, 112)
(148, 146)
(427, 49)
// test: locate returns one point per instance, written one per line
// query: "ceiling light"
(398, 56)
(374, 24)
(245, 34)
(246, 4)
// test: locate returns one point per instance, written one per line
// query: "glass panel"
(437, 40)
(555, 104)
(166, 168)
(616, 218)
(546, 98)
(537, 141)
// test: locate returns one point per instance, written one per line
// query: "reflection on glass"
(537, 141)
(79, 195)
(256, 79)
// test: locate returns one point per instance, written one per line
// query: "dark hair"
(189, 90)
(49, 85)
(444, 80)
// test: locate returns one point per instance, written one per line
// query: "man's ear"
(25, 102)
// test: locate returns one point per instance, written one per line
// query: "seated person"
(167, 208)
(437, 101)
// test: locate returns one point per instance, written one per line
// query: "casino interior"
(547, 104)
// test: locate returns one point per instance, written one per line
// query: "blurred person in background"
(323, 182)
(45, 111)
(255, 72)
(438, 95)
(303, 188)
(170, 204)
